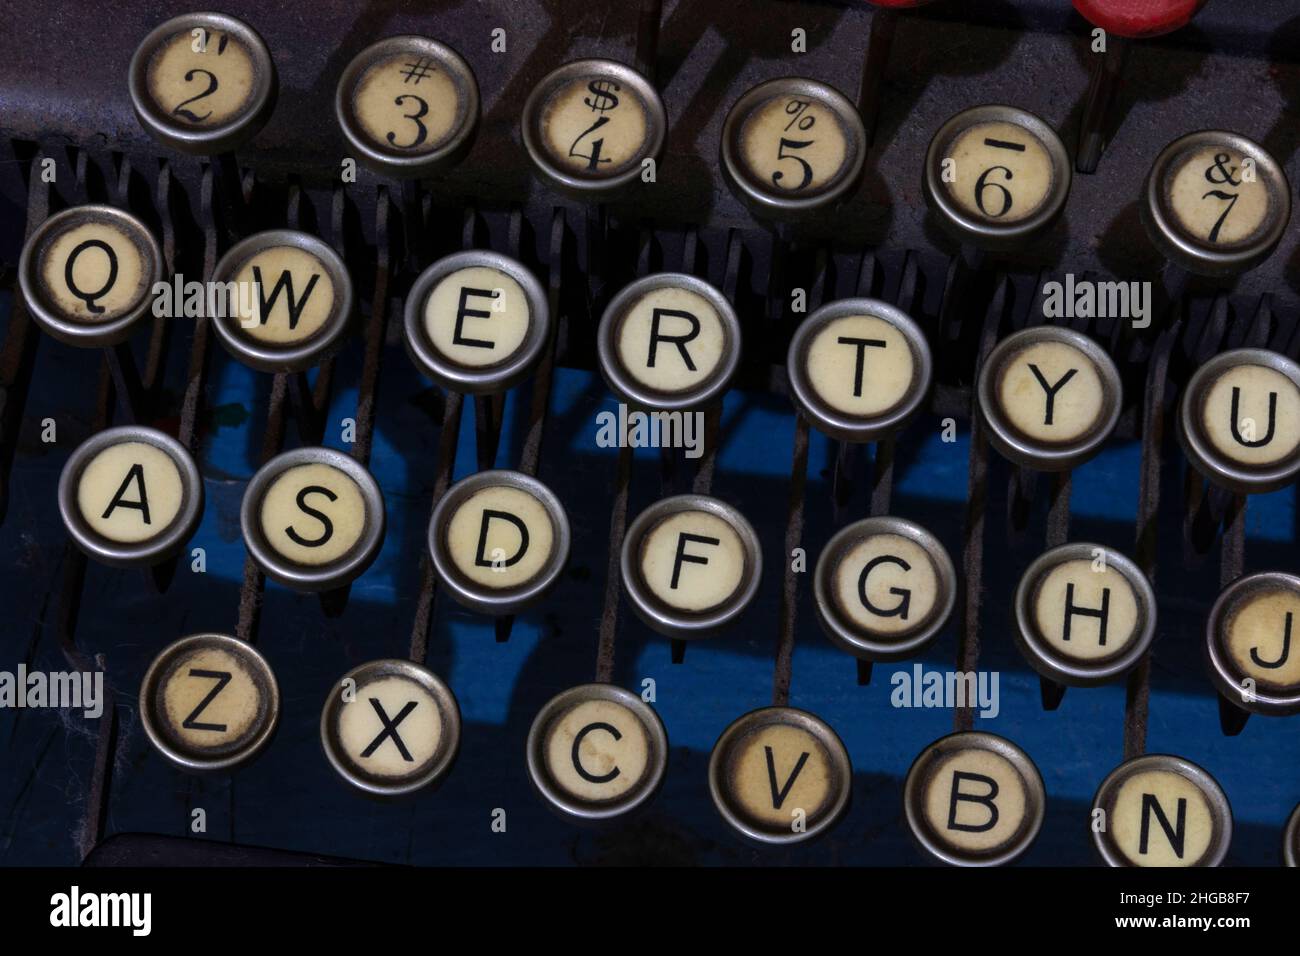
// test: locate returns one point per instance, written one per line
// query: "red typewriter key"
(1135, 18)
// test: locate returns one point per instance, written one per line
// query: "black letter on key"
(327, 532)
(463, 312)
(682, 557)
(1175, 835)
(480, 559)
(222, 678)
(678, 340)
(390, 729)
(1286, 648)
(898, 610)
(1051, 390)
(778, 796)
(90, 297)
(1272, 419)
(1102, 614)
(577, 755)
(285, 282)
(861, 362)
(136, 474)
(987, 799)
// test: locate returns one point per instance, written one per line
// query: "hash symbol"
(417, 71)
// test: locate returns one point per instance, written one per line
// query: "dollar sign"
(602, 97)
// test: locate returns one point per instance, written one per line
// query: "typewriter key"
(87, 274)
(884, 589)
(209, 702)
(974, 799)
(1085, 614)
(202, 83)
(996, 175)
(390, 727)
(1291, 839)
(1160, 810)
(793, 146)
(1239, 420)
(313, 519)
(1216, 203)
(130, 496)
(408, 105)
(287, 301)
(498, 540)
(669, 342)
(596, 752)
(476, 322)
(1248, 642)
(859, 369)
(780, 776)
(590, 126)
(1050, 397)
(690, 564)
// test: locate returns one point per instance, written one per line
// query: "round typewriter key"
(209, 702)
(974, 799)
(1050, 397)
(286, 303)
(690, 564)
(390, 727)
(995, 175)
(203, 83)
(476, 322)
(313, 519)
(884, 589)
(591, 124)
(1216, 203)
(793, 146)
(859, 369)
(1239, 421)
(780, 776)
(596, 752)
(408, 105)
(1085, 614)
(1248, 640)
(499, 540)
(1291, 839)
(1160, 810)
(130, 496)
(669, 342)
(88, 273)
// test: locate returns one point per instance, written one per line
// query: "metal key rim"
(1291, 839)
(262, 674)
(671, 622)
(847, 635)
(323, 577)
(131, 554)
(394, 162)
(1242, 479)
(1223, 671)
(1220, 810)
(837, 757)
(656, 120)
(929, 760)
(88, 334)
(1045, 659)
(1019, 448)
(475, 596)
(833, 101)
(586, 811)
(448, 745)
(207, 140)
(477, 380)
(292, 356)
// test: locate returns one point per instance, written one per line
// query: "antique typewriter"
(734, 432)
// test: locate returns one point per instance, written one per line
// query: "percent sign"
(795, 109)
